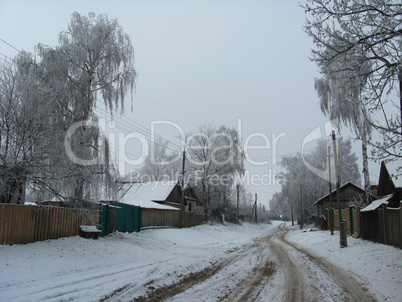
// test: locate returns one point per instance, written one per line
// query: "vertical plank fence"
(394, 226)
(352, 217)
(169, 218)
(24, 223)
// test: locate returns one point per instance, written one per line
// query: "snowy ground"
(203, 263)
(377, 266)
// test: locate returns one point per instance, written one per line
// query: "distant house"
(349, 194)
(152, 195)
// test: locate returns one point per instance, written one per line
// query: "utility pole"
(255, 205)
(291, 212)
(331, 211)
(182, 190)
(237, 201)
(342, 224)
(301, 208)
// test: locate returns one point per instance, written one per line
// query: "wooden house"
(349, 194)
(381, 220)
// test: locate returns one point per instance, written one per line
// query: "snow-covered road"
(204, 263)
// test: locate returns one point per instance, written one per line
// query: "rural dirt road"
(270, 269)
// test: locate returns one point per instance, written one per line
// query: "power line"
(130, 128)
(10, 45)
(142, 129)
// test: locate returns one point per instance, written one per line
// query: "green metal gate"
(104, 219)
(129, 218)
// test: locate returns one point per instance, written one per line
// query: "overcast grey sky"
(201, 62)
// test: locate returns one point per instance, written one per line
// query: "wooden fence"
(25, 223)
(383, 225)
(393, 219)
(156, 217)
(352, 217)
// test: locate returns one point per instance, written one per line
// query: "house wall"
(194, 207)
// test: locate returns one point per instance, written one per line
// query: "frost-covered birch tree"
(340, 100)
(352, 34)
(43, 96)
(94, 60)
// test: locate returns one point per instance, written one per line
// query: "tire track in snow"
(249, 288)
(193, 279)
(351, 288)
(89, 279)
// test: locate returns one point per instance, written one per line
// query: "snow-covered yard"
(125, 266)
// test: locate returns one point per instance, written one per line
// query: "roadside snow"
(377, 266)
(88, 270)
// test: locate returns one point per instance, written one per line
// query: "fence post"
(384, 222)
(351, 219)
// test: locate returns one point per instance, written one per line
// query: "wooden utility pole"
(182, 190)
(301, 208)
(331, 211)
(342, 224)
(255, 205)
(291, 212)
(237, 202)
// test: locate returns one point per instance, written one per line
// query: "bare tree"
(298, 178)
(24, 130)
(214, 157)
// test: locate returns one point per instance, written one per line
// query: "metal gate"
(129, 218)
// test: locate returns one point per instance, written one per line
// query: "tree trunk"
(366, 173)
(400, 93)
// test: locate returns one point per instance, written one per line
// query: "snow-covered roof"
(377, 203)
(145, 194)
(147, 204)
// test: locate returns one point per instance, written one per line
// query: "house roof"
(392, 168)
(341, 187)
(377, 203)
(146, 195)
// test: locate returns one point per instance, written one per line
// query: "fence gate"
(129, 218)
(104, 219)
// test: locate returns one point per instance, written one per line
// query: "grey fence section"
(25, 223)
